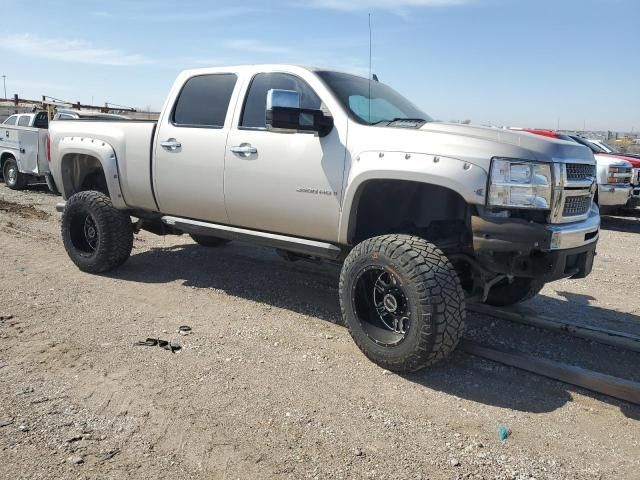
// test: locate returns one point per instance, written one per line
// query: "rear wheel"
(12, 176)
(206, 241)
(51, 184)
(97, 236)
(402, 302)
(520, 290)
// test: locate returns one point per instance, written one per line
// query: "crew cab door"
(190, 147)
(278, 182)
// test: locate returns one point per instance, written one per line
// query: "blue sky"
(539, 63)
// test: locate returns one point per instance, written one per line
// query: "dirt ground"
(269, 385)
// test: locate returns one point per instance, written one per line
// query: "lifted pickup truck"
(421, 216)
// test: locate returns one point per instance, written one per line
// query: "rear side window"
(24, 121)
(41, 121)
(255, 106)
(204, 101)
(11, 120)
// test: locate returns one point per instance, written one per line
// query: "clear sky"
(534, 63)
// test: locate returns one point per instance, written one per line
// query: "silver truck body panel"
(109, 142)
(294, 183)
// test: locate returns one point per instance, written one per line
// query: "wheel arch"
(4, 156)
(87, 164)
(377, 201)
(465, 181)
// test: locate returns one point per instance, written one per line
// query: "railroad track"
(612, 386)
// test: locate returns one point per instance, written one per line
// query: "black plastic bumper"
(524, 249)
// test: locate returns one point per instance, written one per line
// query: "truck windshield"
(611, 149)
(594, 148)
(371, 102)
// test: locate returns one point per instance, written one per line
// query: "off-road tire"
(14, 182)
(206, 241)
(520, 290)
(113, 227)
(432, 288)
(51, 184)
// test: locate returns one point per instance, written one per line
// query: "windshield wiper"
(398, 119)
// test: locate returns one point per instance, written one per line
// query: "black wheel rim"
(84, 233)
(382, 306)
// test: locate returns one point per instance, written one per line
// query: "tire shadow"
(260, 275)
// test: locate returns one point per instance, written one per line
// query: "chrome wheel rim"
(12, 175)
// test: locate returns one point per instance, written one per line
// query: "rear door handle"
(171, 144)
(244, 149)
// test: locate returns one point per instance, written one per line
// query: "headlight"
(519, 184)
(618, 174)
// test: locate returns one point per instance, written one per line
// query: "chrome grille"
(576, 206)
(580, 171)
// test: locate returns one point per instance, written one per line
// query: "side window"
(11, 120)
(41, 121)
(65, 116)
(24, 121)
(255, 105)
(204, 101)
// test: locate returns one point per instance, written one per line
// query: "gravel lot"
(269, 385)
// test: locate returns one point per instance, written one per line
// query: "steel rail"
(611, 386)
(601, 335)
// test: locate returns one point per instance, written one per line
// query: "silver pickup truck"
(422, 216)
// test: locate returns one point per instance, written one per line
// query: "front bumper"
(634, 201)
(614, 195)
(542, 251)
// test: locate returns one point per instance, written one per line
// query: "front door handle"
(244, 149)
(171, 144)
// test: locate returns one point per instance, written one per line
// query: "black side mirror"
(285, 115)
(299, 120)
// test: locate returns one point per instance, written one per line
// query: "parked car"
(23, 150)
(634, 165)
(421, 215)
(613, 173)
(633, 159)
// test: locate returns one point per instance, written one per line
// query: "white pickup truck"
(422, 216)
(23, 150)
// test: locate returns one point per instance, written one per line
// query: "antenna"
(370, 49)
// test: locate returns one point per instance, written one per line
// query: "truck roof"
(258, 66)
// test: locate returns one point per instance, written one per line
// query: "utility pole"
(4, 82)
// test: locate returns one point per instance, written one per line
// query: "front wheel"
(12, 176)
(508, 293)
(402, 302)
(97, 236)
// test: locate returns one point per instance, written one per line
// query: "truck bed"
(130, 139)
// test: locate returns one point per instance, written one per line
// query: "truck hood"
(490, 142)
(473, 144)
(634, 161)
(605, 160)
